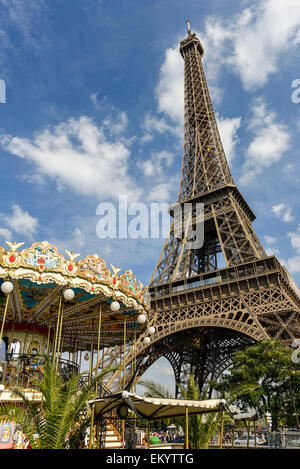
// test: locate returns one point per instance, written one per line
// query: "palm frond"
(61, 412)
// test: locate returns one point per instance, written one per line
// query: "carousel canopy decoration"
(40, 274)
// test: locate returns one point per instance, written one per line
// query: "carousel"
(80, 312)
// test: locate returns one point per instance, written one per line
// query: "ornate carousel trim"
(42, 263)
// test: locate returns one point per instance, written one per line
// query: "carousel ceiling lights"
(7, 287)
(69, 294)
(141, 318)
(50, 289)
(115, 306)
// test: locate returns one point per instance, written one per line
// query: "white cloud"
(116, 125)
(287, 217)
(36, 179)
(283, 212)
(278, 209)
(116, 121)
(5, 234)
(252, 42)
(79, 156)
(75, 242)
(94, 100)
(153, 124)
(228, 128)
(272, 251)
(170, 89)
(24, 17)
(20, 222)
(79, 238)
(161, 192)
(156, 164)
(271, 140)
(270, 239)
(295, 239)
(293, 263)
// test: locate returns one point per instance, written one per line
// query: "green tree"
(55, 421)
(202, 427)
(268, 367)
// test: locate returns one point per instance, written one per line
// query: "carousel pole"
(68, 295)
(186, 428)
(90, 377)
(102, 360)
(61, 348)
(57, 329)
(132, 364)
(91, 355)
(80, 356)
(120, 360)
(24, 343)
(49, 331)
(91, 428)
(124, 380)
(7, 288)
(74, 355)
(97, 368)
(12, 331)
(124, 354)
(59, 334)
(98, 346)
(134, 359)
(148, 434)
(247, 423)
(221, 431)
(97, 435)
(12, 336)
(76, 352)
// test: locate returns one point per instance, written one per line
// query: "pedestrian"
(144, 443)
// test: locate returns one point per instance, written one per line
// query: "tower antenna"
(188, 27)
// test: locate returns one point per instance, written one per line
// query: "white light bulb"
(146, 340)
(141, 318)
(69, 294)
(115, 306)
(7, 287)
(151, 330)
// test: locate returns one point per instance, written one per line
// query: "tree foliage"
(268, 367)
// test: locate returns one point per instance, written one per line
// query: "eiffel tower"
(203, 312)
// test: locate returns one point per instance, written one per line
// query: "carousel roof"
(41, 273)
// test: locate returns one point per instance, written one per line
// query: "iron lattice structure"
(203, 313)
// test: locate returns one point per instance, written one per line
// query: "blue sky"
(94, 109)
